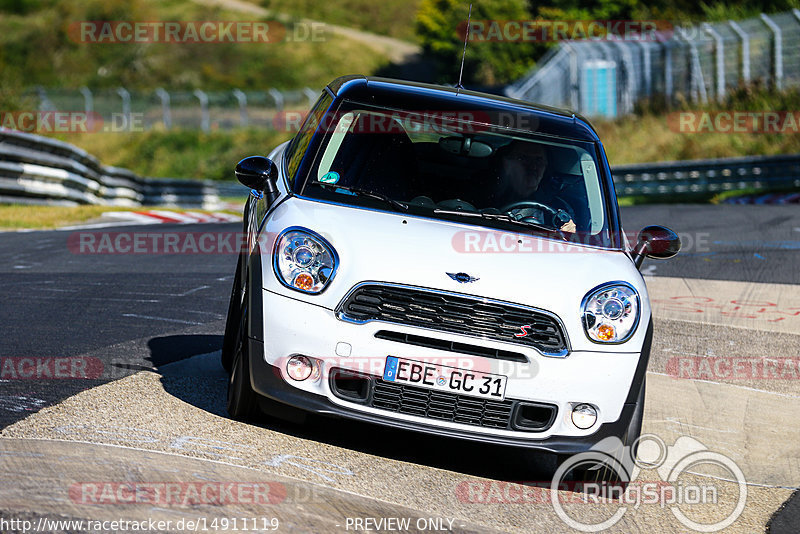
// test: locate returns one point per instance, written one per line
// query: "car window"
(594, 194)
(297, 148)
(436, 165)
(340, 131)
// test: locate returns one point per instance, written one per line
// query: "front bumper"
(610, 381)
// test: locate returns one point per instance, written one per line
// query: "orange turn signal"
(304, 281)
(606, 332)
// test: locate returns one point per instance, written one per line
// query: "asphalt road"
(135, 311)
(725, 242)
(59, 303)
(132, 312)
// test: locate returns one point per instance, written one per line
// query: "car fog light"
(584, 416)
(299, 367)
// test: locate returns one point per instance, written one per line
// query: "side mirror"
(259, 173)
(656, 242)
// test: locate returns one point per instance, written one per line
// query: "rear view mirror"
(465, 146)
(656, 242)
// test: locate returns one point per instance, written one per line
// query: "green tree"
(440, 26)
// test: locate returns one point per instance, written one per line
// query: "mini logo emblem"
(462, 278)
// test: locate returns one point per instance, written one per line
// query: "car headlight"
(304, 261)
(611, 313)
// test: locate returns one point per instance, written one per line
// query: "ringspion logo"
(670, 462)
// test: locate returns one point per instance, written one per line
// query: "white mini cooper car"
(442, 261)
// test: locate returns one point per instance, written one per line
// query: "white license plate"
(445, 378)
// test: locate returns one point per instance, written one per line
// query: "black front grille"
(411, 400)
(451, 346)
(508, 414)
(459, 314)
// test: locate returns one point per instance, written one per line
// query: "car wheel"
(613, 466)
(631, 437)
(233, 319)
(242, 400)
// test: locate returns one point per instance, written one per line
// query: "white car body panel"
(394, 248)
(390, 247)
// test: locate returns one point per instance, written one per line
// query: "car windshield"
(435, 165)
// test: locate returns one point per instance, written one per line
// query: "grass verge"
(40, 45)
(655, 135)
(34, 217)
(179, 153)
(394, 18)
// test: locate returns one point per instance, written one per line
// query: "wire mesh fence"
(595, 77)
(695, 64)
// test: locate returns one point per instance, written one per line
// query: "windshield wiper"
(502, 217)
(400, 206)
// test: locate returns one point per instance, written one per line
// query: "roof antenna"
(459, 87)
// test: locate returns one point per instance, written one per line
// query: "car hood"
(543, 273)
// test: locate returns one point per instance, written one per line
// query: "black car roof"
(419, 97)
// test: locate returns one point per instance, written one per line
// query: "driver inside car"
(522, 170)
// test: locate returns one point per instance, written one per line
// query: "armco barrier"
(679, 178)
(41, 170)
(36, 169)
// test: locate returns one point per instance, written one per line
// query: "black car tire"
(242, 401)
(233, 320)
(604, 472)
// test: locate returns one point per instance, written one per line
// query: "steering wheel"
(557, 215)
(531, 204)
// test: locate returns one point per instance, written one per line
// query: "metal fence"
(41, 170)
(121, 109)
(702, 177)
(695, 64)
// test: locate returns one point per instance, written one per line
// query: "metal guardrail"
(708, 176)
(41, 170)
(36, 169)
